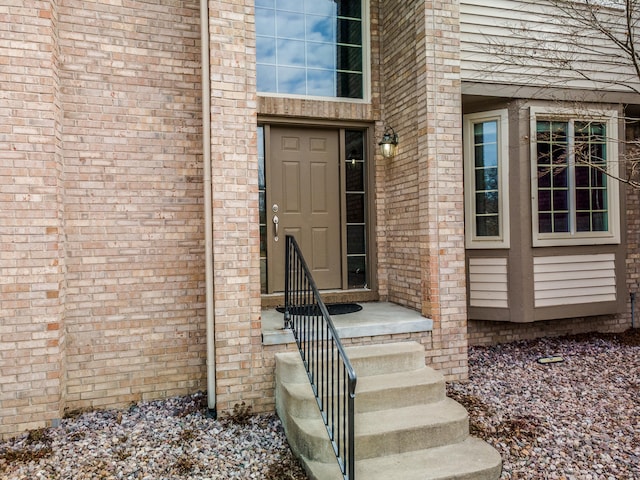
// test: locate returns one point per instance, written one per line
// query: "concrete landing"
(375, 318)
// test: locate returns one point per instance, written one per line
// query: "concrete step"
(386, 432)
(289, 368)
(386, 358)
(399, 389)
(373, 393)
(366, 360)
(404, 429)
(472, 459)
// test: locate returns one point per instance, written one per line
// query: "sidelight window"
(486, 180)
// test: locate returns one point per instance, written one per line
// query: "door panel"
(304, 182)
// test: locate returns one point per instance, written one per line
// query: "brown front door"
(303, 192)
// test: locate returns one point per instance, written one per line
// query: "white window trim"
(472, 240)
(366, 69)
(612, 236)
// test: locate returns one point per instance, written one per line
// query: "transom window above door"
(310, 47)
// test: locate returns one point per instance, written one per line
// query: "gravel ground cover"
(577, 419)
(171, 439)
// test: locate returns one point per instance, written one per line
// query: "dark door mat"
(333, 308)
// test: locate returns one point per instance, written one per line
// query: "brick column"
(441, 194)
(423, 221)
(236, 236)
(32, 262)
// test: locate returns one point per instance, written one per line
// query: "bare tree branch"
(566, 37)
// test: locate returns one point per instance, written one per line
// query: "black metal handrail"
(332, 377)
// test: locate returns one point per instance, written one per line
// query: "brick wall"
(491, 333)
(32, 259)
(633, 224)
(130, 78)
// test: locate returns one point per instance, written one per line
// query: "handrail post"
(287, 283)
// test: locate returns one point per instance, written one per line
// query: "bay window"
(574, 186)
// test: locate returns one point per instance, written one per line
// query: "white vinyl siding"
(528, 43)
(574, 279)
(488, 282)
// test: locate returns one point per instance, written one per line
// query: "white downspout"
(208, 215)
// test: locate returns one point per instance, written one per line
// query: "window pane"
(544, 154)
(486, 202)
(322, 55)
(261, 177)
(354, 142)
(544, 177)
(487, 179)
(488, 154)
(321, 29)
(485, 132)
(543, 131)
(291, 53)
(560, 177)
(357, 271)
(324, 7)
(544, 200)
(355, 239)
(292, 5)
(262, 208)
(558, 154)
(582, 200)
(263, 241)
(263, 275)
(559, 132)
(290, 25)
(583, 222)
(349, 58)
(355, 176)
(598, 199)
(600, 222)
(544, 223)
(355, 208)
(321, 38)
(265, 22)
(560, 200)
(350, 31)
(487, 226)
(266, 76)
(292, 80)
(582, 176)
(561, 222)
(267, 50)
(350, 85)
(321, 83)
(350, 8)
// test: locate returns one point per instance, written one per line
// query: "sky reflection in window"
(310, 47)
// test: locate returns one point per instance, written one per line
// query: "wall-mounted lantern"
(389, 143)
